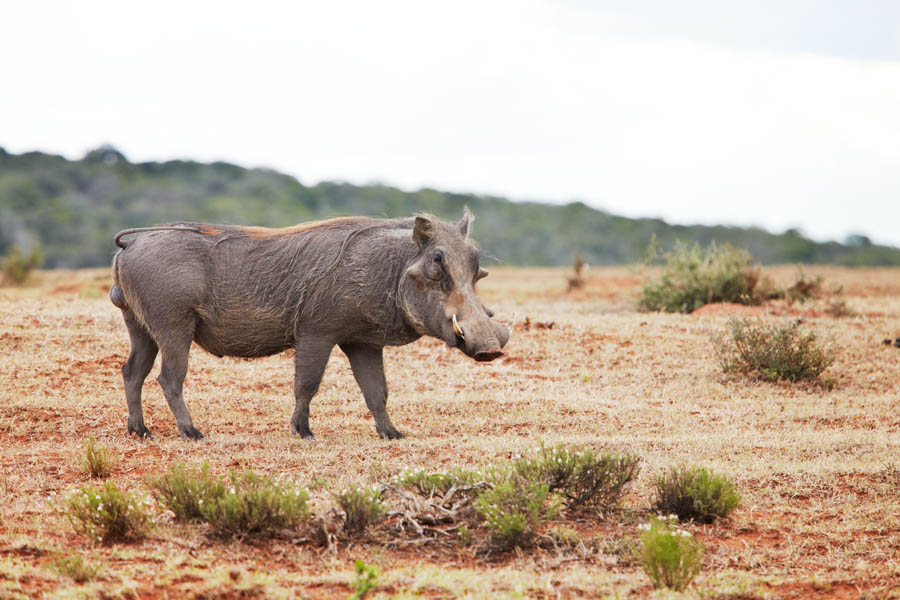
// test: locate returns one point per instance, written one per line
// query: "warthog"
(355, 282)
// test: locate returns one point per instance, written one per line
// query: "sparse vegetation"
(74, 566)
(693, 276)
(362, 507)
(107, 514)
(776, 351)
(695, 493)
(582, 477)
(803, 289)
(426, 483)
(97, 462)
(185, 491)
(670, 555)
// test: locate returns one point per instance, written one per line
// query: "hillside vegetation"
(72, 208)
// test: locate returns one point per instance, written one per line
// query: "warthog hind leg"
(135, 371)
(174, 350)
(368, 368)
(310, 359)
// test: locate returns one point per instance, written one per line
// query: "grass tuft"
(515, 509)
(583, 477)
(362, 507)
(74, 567)
(696, 493)
(107, 514)
(774, 352)
(97, 462)
(185, 491)
(670, 555)
(254, 505)
(428, 484)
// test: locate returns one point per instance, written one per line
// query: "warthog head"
(437, 290)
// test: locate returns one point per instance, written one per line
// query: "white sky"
(772, 113)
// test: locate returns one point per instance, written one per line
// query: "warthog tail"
(118, 238)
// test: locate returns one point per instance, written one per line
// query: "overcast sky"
(773, 113)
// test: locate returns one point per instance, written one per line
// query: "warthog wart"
(355, 282)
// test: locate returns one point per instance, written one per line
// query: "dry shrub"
(696, 494)
(774, 352)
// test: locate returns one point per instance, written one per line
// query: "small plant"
(366, 580)
(772, 351)
(696, 493)
(254, 506)
(184, 491)
(107, 514)
(838, 307)
(16, 266)
(515, 509)
(583, 477)
(362, 507)
(804, 289)
(97, 461)
(693, 277)
(74, 567)
(670, 555)
(428, 484)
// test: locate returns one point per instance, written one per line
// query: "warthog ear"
(423, 231)
(482, 273)
(465, 222)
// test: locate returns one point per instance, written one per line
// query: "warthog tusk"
(457, 328)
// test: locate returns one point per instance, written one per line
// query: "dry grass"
(820, 513)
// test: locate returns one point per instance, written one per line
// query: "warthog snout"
(483, 339)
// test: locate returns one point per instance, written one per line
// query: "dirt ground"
(818, 469)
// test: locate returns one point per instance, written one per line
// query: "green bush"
(772, 351)
(74, 567)
(693, 277)
(671, 557)
(254, 505)
(16, 267)
(696, 493)
(107, 514)
(97, 461)
(515, 509)
(184, 491)
(362, 507)
(583, 477)
(428, 484)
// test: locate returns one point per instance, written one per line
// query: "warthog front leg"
(310, 359)
(368, 368)
(135, 371)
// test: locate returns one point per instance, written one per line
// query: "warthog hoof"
(141, 431)
(390, 434)
(303, 432)
(191, 433)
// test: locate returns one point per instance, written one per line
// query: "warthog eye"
(439, 257)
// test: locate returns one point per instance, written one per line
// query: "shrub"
(772, 351)
(184, 492)
(515, 509)
(254, 505)
(804, 289)
(428, 484)
(693, 277)
(696, 493)
(583, 477)
(670, 555)
(74, 567)
(97, 461)
(16, 267)
(366, 580)
(108, 514)
(362, 507)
